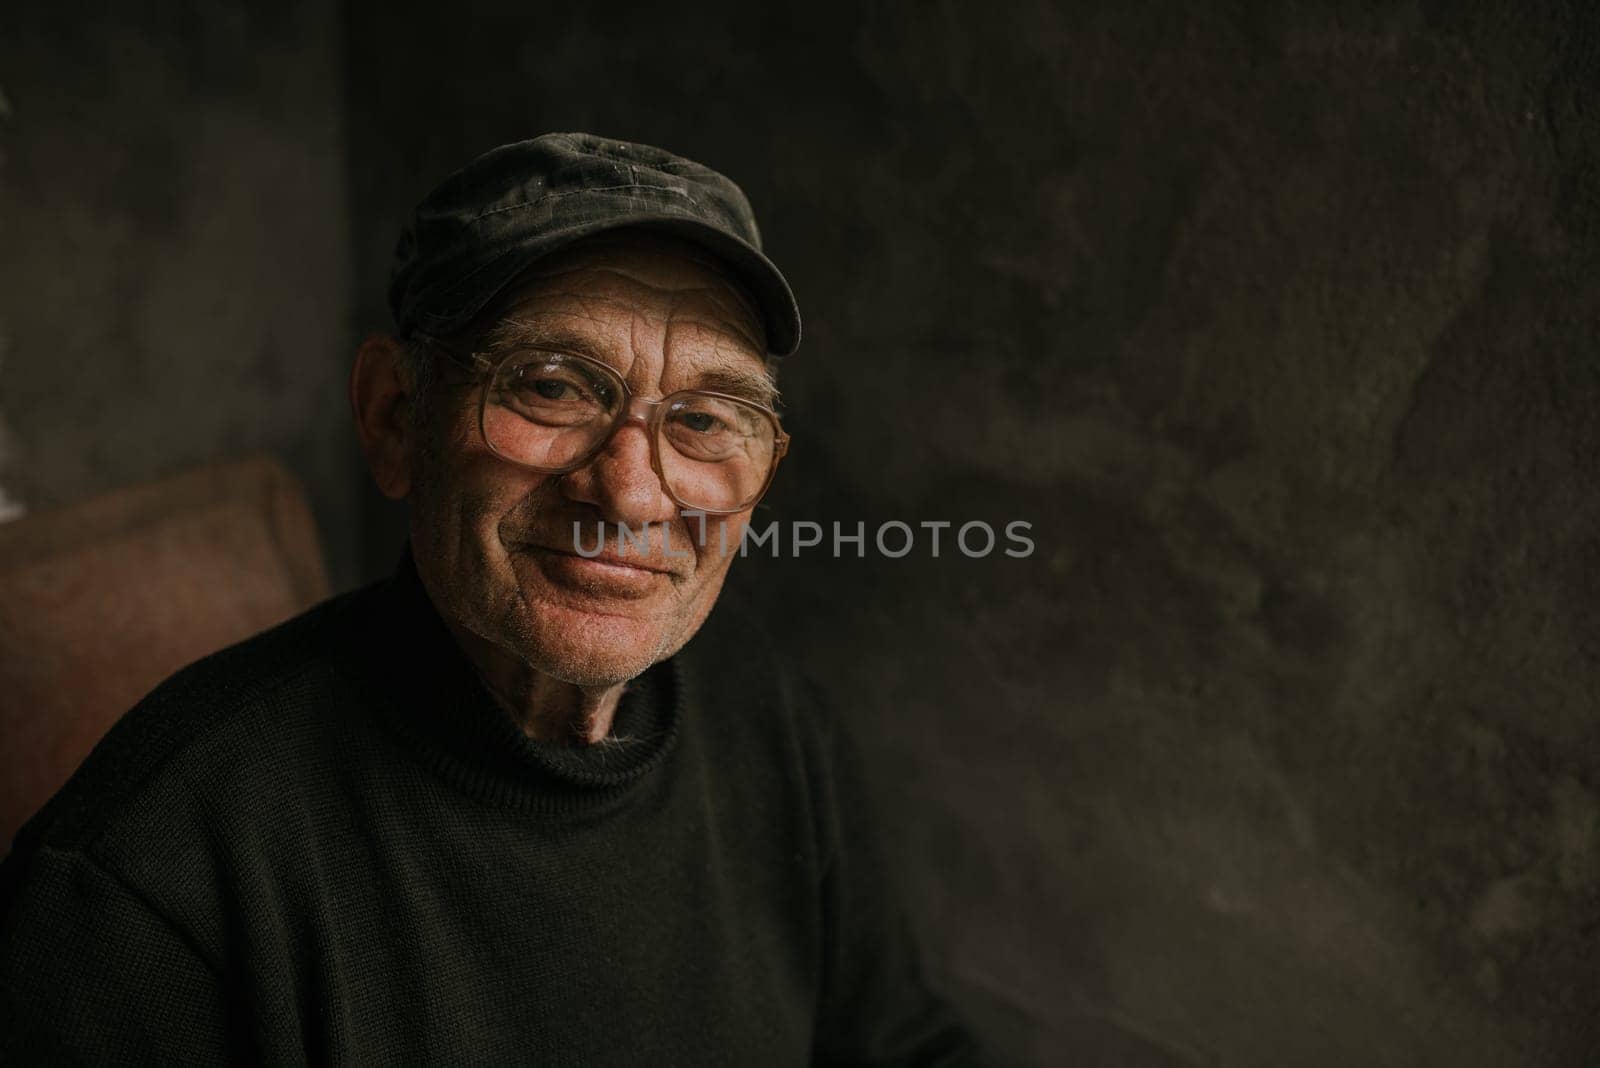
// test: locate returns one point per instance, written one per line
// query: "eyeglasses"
(552, 412)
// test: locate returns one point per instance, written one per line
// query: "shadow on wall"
(10, 507)
(173, 281)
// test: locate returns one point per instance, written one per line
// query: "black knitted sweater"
(327, 845)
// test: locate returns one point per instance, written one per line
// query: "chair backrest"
(102, 600)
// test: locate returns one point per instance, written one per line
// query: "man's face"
(494, 543)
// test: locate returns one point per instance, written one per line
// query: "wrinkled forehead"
(642, 272)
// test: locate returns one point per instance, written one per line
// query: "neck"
(547, 709)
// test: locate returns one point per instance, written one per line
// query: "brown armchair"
(102, 600)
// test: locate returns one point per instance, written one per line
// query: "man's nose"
(619, 480)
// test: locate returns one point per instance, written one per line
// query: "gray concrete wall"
(173, 249)
(1278, 322)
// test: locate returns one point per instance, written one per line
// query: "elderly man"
(497, 809)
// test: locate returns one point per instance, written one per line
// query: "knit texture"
(327, 845)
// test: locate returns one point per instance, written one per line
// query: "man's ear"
(380, 400)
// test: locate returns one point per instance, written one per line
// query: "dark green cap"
(484, 225)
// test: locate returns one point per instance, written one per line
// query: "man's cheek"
(710, 535)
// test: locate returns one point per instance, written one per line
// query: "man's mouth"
(609, 575)
(612, 559)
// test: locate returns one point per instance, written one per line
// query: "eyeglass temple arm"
(469, 361)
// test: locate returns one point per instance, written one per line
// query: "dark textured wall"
(1278, 322)
(173, 248)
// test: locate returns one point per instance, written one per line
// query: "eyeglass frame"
(487, 365)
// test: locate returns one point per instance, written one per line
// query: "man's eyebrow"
(509, 333)
(749, 385)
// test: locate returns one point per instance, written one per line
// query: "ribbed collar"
(440, 706)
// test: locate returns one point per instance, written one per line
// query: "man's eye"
(701, 422)
(558, 385)
(553, 389)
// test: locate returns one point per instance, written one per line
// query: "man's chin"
(591, 627)
(590, 647)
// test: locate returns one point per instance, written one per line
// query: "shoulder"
(214, 725)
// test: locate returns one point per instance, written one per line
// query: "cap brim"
(758, 274)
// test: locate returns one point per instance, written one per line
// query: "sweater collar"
(439, 704)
